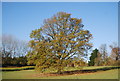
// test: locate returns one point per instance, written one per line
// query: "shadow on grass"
(86, 71)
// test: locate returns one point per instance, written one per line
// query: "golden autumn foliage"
(59, 39)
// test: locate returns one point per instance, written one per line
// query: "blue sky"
(100, 18)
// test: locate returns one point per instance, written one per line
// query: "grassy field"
(32, 74)
(111, 74)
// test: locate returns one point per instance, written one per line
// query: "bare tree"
(12, 47)
(104, 54)
(115, 53)
(22, 48)
(8, 46)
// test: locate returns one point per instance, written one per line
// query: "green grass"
(32, 74)
(89, 67)
(77, 68)
(111, 74)
(24, 74)
(50, 70)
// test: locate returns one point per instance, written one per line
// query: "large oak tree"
(59, 39)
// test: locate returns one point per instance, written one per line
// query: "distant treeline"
(16, 61)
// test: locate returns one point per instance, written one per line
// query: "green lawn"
(31, 74)
(111, 74)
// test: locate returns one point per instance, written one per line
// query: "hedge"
(18, 68)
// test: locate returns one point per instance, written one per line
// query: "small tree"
(60, 38)
(93, 57)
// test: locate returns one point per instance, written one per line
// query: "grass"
(50, 70)
(89, 67)
(111, 74)
(32, 74)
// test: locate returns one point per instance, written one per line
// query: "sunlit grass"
(31, 74)
(111, 74)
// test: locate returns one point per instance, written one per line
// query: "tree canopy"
(57, 40)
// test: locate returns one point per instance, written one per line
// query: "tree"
(9, 45)
(12, 49)
(103, 52)
(22, 48)
(60, 38)
(115, 54)
(93, 56)
(115, 51)
(98, 60)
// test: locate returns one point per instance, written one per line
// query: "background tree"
(9, 45)
(104, 54)
(13, 51)
(93, 57)
(60, 38)
(115, 54)
(98, 59)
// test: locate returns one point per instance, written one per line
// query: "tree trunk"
(59, 71)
